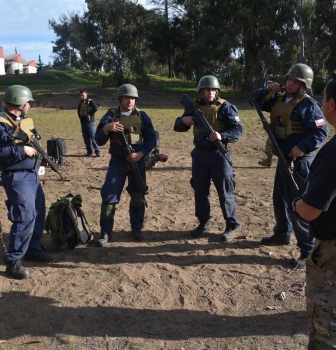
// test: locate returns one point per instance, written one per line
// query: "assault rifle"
(278, 152)
(201, 123)
(132, 166)
(19, 134)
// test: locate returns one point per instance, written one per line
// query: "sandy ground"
(170, 291)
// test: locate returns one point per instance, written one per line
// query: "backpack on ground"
(56, 149)
(67, 224)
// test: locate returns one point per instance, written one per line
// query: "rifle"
(283, 161)
(19, 134)
(133, 166)
(201, 123)
(3, 247)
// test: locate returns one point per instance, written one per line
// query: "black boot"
(16, 270)
(203, 227)
(39, 255)
(276, 240)
(137, 234)
(104, 239)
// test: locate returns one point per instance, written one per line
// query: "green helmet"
(18, 95)
(208, 81)
(303, 73)
(127, 90)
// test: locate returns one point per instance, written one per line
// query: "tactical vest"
(210, 113)
(84, 108)
(25, 124)
(132, 127)
(281, 124)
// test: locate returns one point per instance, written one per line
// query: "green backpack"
(67, 224)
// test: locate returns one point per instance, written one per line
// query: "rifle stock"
(132, 166)
(279, 154)
(201, 123)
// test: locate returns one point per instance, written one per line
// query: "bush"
(318, 85)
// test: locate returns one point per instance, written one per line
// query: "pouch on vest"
(67, 224)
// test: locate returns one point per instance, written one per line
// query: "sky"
(24, 26)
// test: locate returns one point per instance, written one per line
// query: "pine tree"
(39, 65)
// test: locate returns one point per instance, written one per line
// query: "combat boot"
(228, 235)
(16, 270)
(276, 240)
(300, 263)
(137, 234)
(203, 227)
(266, 162)
(39, 255)
(104, 239)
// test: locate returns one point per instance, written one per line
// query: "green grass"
(72, 78)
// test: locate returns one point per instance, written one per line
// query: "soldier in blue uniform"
(318, 206)
(25, 197)
(299, 127)
(86, 111)
(139, 130)
(208, 163)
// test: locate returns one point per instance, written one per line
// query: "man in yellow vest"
(299, 128)
(25, 198)
(208, 163)
(86, 114)
(140, 134)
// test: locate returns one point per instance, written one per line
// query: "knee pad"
(107, 211)
(137, 199)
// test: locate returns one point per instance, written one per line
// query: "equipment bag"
(67, 224)
(56, 148)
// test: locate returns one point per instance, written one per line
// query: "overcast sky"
(24, 26)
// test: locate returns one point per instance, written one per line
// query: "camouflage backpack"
(67, 224)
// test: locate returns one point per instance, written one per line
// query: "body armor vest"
(132, 127)
(25, 124)
(210, 113)
(281, 124)
(84, 108)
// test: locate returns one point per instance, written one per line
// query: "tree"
(39, 65)
(123, 31)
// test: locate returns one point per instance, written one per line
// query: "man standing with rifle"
(299, 128)
(215, 124)
(20, 179)
(132, 136)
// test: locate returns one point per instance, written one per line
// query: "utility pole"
(70, 57)
(302, 58)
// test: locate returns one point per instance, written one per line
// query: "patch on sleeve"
(319, 122)
(237, 119)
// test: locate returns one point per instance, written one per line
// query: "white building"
(29, 67)
(13, 64)
(2, 62)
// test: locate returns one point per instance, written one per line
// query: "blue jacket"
(147, 131)
(228, 113)
(309, 112)
(12, 157)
